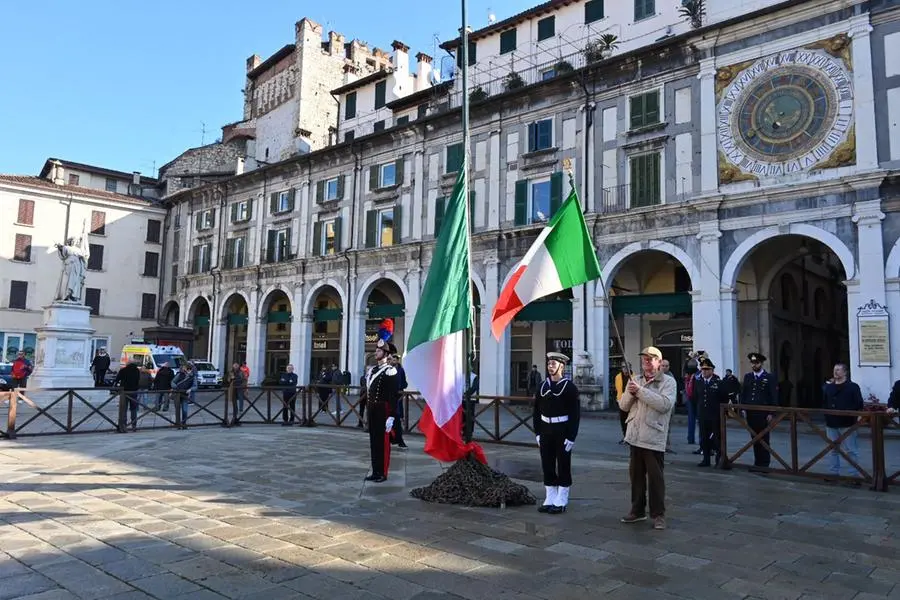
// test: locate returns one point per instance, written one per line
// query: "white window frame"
(548, 74)
(284, 199)
(243, 211)
(204, 250)
(238, 249)
(381, 170)
(329, 194)
(531, 185)
(280, 234)
(206, 222)
(323, 241)
(379, 228)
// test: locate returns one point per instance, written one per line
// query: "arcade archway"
(327, 330)
(277, 337)
(236, 319)
(385, 301)
(171, 314)
(198, 319)
(542, 326)
(792, 307)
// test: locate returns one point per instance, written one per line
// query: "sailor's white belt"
(562, 419)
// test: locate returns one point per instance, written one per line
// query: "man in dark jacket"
(288, 381)
(761, 389)
(842, 394)
(894, 398)
(239, 391)
(184, 384)
(163, 383)
(709, 393)
(99, 366)
(129, 377)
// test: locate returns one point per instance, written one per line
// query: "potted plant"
(693, 11)
(601, 48)
(478, 94)
(563, 67)
(513, 81)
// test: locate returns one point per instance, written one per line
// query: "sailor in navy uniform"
(759, 388)
(557, 409)
(381, 402)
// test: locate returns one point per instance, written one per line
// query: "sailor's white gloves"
(568, 445)
(389, 424)
(537, 438)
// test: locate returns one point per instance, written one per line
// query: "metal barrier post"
(123, 410)
(795, 446)
(229, 398)
(11, 417)
(723, 462)
(879, 472)
(179, 424)
(69, 413)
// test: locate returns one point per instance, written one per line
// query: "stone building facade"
(736, 179)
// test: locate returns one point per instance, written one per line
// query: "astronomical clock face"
(786, 113)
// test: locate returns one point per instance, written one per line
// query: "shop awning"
(201, 321)
(279, 316)
(322, 315)
(237, 319)
(383, 311)
(679, 302)
(546, 310)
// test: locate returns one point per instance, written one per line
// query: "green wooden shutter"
(651, 108)
(655, 179)
(637, 112)
(197, 220)
(340, 186)
(250, 209)
(521, 216)
(338, 224)
(273, 202)
(195, 259)
(350, 105)
(373, 177)
(317, 247)
(286, 249)
(371, 227)
(472, 210)
(532, 137)
(229, 253)
(398, 224)
(212, 217)
(439, 206)
(556, 181)
(398, 169)
(270, 246)
(234, 213)
(291, 196)
(320, 192)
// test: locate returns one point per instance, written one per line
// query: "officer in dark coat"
(382, 390)
(557, 410)
(759, 388)
(710, 393)
(288, 381)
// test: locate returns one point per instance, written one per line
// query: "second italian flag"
(562, 257)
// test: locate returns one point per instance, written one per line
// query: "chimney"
(400, 59)
(239, 167)
(136, 178)
(423, 71)
(58, 173)
(253, 62)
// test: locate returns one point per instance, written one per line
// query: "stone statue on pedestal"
(71, 279)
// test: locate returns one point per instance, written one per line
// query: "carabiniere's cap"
(558, 357)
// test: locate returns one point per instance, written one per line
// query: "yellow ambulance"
(152, 356)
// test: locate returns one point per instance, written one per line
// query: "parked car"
(208, 376)
(6, 380)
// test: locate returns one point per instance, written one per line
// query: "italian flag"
(436, 349)
(562, 257)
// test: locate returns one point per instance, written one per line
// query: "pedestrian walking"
(162, 383)
(239, 392)
(534, 380)
(288, 381)
(761, 389)
(145, 384)
(21, 370)
(710, 395)
(185, 384)
(129, 377)
(555, 419)
(841, 394)
(99, 367)
(381, 393)
(649, 399)
(324, 388)
(621, 381)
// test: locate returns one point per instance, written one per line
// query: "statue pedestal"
(63, 347)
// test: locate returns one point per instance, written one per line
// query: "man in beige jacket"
(649, 399)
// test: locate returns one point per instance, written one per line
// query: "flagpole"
(469, 350)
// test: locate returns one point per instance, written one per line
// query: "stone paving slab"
(270, 513)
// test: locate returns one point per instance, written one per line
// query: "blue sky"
(126, 84)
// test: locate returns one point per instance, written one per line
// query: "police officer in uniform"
(759, 388)
(710, 393)
(381, 400)
(557, 410)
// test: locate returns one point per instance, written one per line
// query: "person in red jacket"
(21, 369)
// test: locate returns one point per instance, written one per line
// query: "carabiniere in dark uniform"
(557, 411)
(761, 389)
(381, 402)
(710, 392)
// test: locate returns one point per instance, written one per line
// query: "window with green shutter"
(404, 120)
(593, 11)
(507, 41)
(546, 28)
(317, 239)
(644, 9)
(540, 135)
(440, 204)
(645, 180)
(472, 58)
(350, 105)
(521, 206)
(380, 94)
(556, 193)
(645, 110)
(371, 228)
(454, 158)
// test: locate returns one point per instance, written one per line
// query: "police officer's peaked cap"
(558, 357)
(757, 357)
(705, 362)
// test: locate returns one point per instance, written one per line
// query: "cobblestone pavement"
(271, 512)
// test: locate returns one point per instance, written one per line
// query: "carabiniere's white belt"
(562, 419)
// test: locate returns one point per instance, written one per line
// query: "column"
(494, 376)
(600, 351)
(256, 331)
(302, 225)
(731, 358)
(353, 354)
(709, 167)
(864, 94)
(301, 346)
(705, 300)
(579, 339)
(217, 336)
(892, 296)
(493, 210)
(418, 194)
(631, 334)
(413, 283)
(869, 286)
(538, 343)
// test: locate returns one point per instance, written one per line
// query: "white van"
(208, 376)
